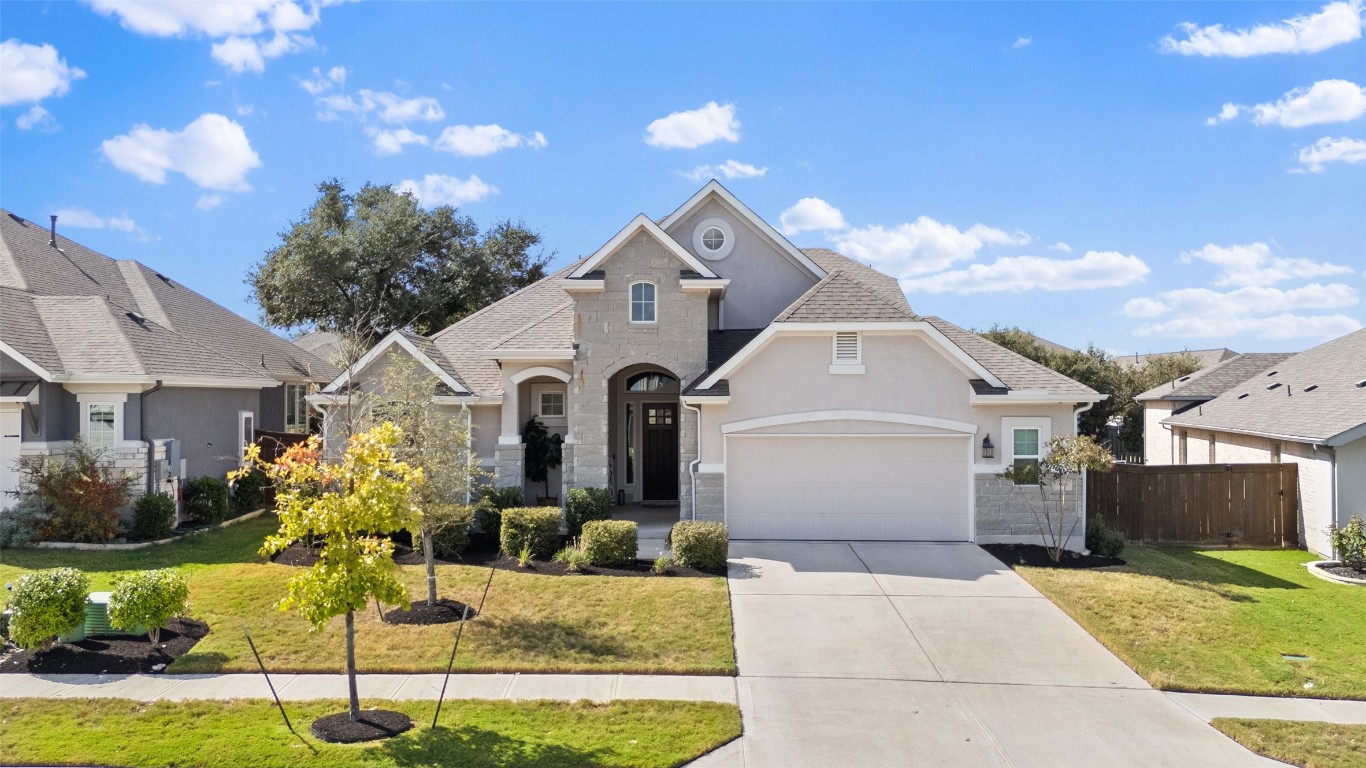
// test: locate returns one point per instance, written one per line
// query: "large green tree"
(367, 262)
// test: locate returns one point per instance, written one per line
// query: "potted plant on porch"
(542, 455)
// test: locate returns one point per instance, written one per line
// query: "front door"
(660, 429)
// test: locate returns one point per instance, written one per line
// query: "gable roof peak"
(715, 189)
(642, 223)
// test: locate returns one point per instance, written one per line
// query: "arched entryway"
(643, 426)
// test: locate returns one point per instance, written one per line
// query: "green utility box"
(96, 621)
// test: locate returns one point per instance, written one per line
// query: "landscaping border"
(1333, 577)
(85, 547)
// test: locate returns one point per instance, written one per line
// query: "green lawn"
(1219, 620)
(530, 623)
(471, 733)
(1309, 745)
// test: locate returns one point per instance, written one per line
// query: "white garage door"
(891, 488)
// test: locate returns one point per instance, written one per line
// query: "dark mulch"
(1342, 571)
(373, 724)
(117, 654)
(444, 612)
(1037, 555)
(484, 552)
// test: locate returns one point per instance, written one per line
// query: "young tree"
(349, 507)
(1056, 475)
(375, 260)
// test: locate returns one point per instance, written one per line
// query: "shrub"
(148, 599)
(584, 504)
(1102, 539)
(489, 514)
(153, 516)
(206, 499)
(47, 604)
(574, 557)
(451, 528)
(610, 542)
(1349, 542)
(19, 524)
(700, 545)
(80, 496)
(249, 492)
(537, 528)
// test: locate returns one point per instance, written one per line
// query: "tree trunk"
(429, 555)
(154, 635)
(351, 665)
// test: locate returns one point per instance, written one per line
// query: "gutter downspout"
(469, 450)
(692, 466)
(142, 425)
(1081, 495)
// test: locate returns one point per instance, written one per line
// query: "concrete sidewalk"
(1211, 705)
(511, 687)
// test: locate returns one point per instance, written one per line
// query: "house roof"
(1015, 371)
(324, 345)
(841, 296)
(1209, 383)
(1317, 396)
(1205, 357)
(67, 309)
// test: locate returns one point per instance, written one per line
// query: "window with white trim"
(99, 426)
(551, 405)
(642, 302)
(296, 408)
(1026, 441)
(246, 432)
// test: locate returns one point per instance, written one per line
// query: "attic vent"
(848, 348)
(1240, 397)
(1311, 388)
(1273, 386)
(164, 279)
(1361, 384)
(1272, 373)
(1184, 378)
(135, 317)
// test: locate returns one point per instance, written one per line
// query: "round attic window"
(713, 239)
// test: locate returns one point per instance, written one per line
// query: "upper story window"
(713, 239)
(642, 302)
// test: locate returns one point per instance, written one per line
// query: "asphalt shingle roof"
(1205, 357)
(1313, 396)
(1209, 383)
(842, 297)
(1015, 371)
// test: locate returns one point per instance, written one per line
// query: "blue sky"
(1145, 176)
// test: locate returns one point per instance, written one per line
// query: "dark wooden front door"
(661, 452)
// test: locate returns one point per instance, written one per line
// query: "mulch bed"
(373, 724)
(445, 611)
(116, 654)
(1037, 555)
(484, 552)
(1342, 571)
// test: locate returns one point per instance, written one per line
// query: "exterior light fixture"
(988, 450)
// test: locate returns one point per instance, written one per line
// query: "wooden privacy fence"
(274, 443)
(1249, 504)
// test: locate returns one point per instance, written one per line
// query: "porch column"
(509, 468)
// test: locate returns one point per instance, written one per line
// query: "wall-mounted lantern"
(988, 450)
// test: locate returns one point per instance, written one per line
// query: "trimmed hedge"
(206, 499)
(452, 523)
(148, 599)
(701, 545)
(610, 542)
(47, 604)
(584, 504)
(153, 516)
(489, 514)
(538, 527)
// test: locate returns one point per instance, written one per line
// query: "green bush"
(47, 604)
(701, 545)
(206, 499)
(1349, 542)
(451, 528)
(610, 542)
(80, 495)
(1101, 539)
(534, 527)
(584, 504)
(249, 492)
(148, 599)
(489, 514)
(153, 516)
(19, 524)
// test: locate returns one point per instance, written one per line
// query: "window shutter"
(847, 347)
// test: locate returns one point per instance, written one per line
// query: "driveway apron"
(910, 654)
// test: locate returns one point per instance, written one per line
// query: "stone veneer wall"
(1004, 513)
(711, 496)
(128, 459)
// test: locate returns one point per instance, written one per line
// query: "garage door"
(892, 488)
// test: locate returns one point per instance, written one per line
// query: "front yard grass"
(1219, 620)
(470, 733)
(1309, 745)
(530, 623)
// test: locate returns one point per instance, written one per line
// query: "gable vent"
(848, 348)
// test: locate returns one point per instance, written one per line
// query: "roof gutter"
(142, 427)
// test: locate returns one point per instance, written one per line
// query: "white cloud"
(693, 128)
(485, 140)
(1060, 246)
(1021, 42)
(208, 202)
(245, 109)
(1096, 269)
(1144, 307)
(33, 73)
(1327, 101)
(392, 142)
(1254, 265)
(731, 169)
(922, 246)
(213, 152)
(435, 189)
(36, 117)
(82, 218)
(247, 33)
(388, 107)
(1269, 313)
(1227, 113)
(810, 214)
(320, 83)
(1334, 24)
(1330, 150)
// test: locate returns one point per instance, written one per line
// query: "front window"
(246, 431)
(296, 408)
(1025, 445)
(100, 427)
(552, 404)
(643, 303)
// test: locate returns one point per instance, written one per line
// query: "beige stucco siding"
(1351, 478)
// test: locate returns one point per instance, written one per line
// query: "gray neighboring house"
(703, 360)
(1309, 409)
(167, 383)
(1205, 357)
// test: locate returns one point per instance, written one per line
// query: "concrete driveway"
(898, 654)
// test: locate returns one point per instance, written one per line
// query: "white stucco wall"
(1158, 443)
(1351, 481)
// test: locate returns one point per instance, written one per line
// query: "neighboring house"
(324, 345)
(1205, 357)
(1309, 409)
(1162, 444)
(703, 360)
(167, 383)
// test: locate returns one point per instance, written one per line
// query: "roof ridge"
(874, 293)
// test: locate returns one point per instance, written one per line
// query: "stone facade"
(1005, 512)
(507, 466)
(711, 496)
